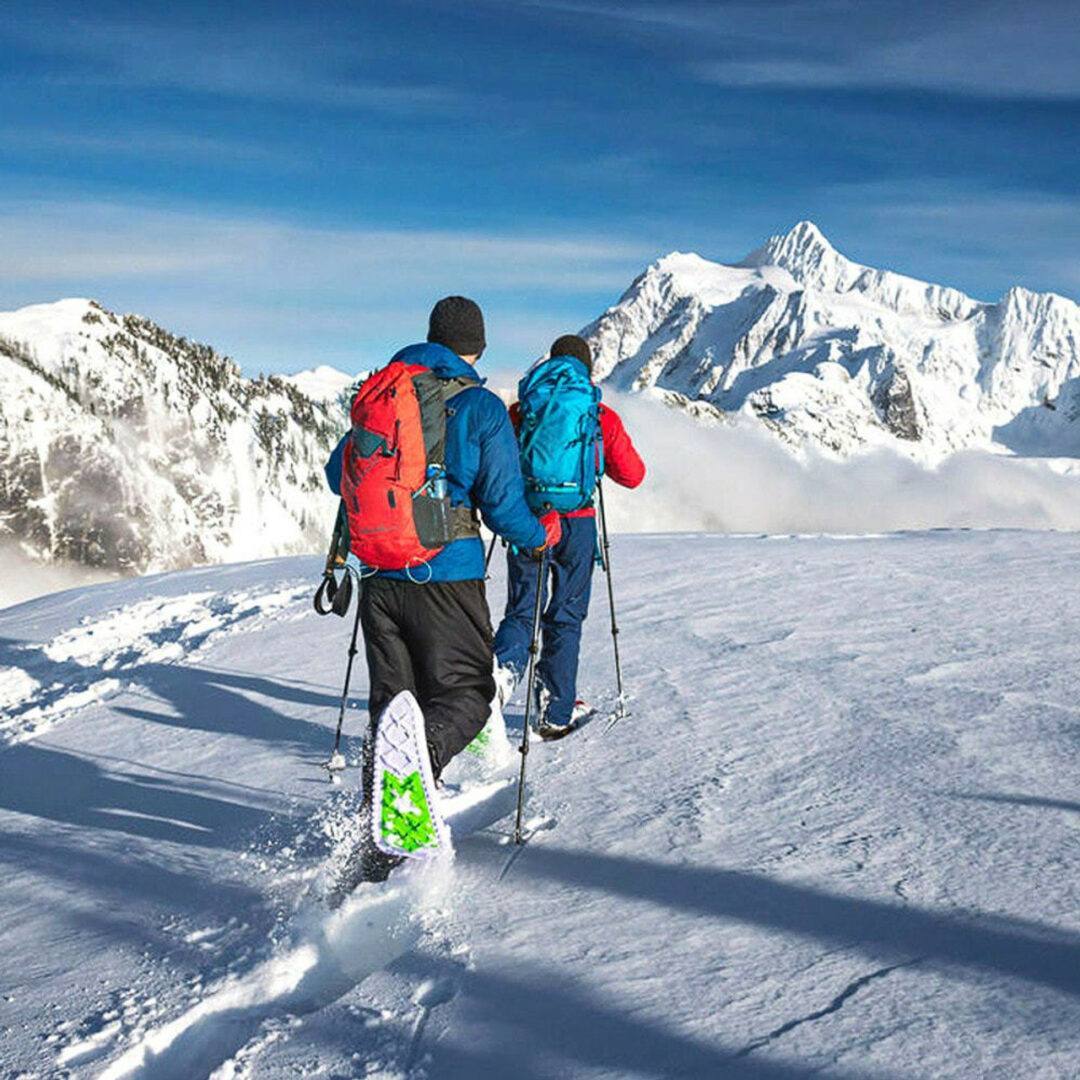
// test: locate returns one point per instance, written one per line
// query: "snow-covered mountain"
(842, 357)
(125, 447)
(325, 383)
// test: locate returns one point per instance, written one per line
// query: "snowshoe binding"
(550, 732)
(506, 680)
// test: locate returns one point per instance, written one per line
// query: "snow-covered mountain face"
(326, 384)
(125, 447)
(840, 357)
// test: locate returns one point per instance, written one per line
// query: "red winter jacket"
(621, 461)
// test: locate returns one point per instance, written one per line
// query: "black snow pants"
(435, 640)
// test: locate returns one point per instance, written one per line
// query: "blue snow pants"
(566, 604)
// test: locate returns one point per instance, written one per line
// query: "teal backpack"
(559, 434)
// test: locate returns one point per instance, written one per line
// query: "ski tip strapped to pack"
(559, 435)
(406, 819)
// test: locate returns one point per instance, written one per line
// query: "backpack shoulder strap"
(453, 386)
(464, 520)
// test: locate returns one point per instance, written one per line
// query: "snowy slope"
(841, 357)
(838, 836)
(123, 447)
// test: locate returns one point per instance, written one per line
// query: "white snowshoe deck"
(406, 819)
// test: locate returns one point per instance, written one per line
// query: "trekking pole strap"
(325, 592)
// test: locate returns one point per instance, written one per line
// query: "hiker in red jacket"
(571, 561)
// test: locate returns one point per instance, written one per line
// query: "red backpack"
(393, 477)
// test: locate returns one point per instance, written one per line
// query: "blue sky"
(297, 183)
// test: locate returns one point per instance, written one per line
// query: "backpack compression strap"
(464, 520)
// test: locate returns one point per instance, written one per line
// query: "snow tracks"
(322, 957)
(41, 684)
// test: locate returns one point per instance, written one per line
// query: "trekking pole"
(620, 705)
(534, 648)
(336, 764)
(490, 552)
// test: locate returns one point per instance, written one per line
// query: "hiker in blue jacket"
(431, 634)
(429, 631)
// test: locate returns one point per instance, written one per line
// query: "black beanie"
(457, 323)
(572, 345)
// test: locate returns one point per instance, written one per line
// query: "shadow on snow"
(1036, 953)
(59, 785)
(1015, 799)
(578, 1028)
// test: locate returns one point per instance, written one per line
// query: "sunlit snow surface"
(839, 834)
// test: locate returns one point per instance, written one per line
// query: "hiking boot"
(377, 864)
(365, 863)
(549, 731)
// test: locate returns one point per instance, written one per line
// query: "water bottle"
(436, 481)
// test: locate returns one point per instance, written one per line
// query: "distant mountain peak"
(827, 352)
(803, 238)
(681, 260)
(806, 232)
(802, 250)
(322, 383)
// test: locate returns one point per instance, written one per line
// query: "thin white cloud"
(264, 82)
(282, 296)
(95, 242)
(153, 143)
(268, 60)
(1022, 238)
(991, 48)
(775, 73)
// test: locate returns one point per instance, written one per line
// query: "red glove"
(552, 527)
(552, 531)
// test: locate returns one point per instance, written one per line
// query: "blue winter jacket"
(482, 470)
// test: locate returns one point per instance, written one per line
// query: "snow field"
(153, 631)
(838, 836)
(325, 955)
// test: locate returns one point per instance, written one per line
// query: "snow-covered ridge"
(323, 383)
(814, 263)
(126, 447)
(831, 354)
